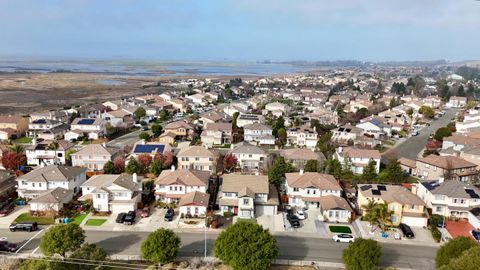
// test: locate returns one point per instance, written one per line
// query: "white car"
(343, 237)
(300, 214)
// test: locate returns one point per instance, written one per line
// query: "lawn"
(40, 220)
(95, 222)
(23, 140)
(78, 218)
(252, 220)
(86, 142)
(340, 229)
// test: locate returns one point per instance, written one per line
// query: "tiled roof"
(194, 198)
(334, 202)
(238, 183)
(187, 177)
(359, 153)
(446, 162)
(195, 151)
(53, 173)
(300, 154)
(312, 179)
(56, 195)
(390, 193)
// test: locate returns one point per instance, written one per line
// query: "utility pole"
(205, 231)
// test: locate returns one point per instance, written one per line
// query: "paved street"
(291, 248)
(411, 147)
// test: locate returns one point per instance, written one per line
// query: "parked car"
(129, 218)
(344, 238)
(6, 210)
(169, 214)
(300, 214)
(294, 221)
(144, 128)
(7, 246)
(120, 217)
(24, 226)
(476, 235)
(406, 230)
(145, 212)
(441, 223)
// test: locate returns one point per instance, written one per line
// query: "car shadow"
(119, 243)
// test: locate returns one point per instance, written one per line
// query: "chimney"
(301, 171)
(34, 141)
(104, 144)
(42, 164)
(142, 141)
(135, 178)
(340, 149)
(441, 179)
(172, 168)
(257, 173)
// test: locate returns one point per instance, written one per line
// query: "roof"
(224, 127)
(334, 202)
(187, 177)
(452, 189)
(359, 153)
(446, 162)
(389, 193)
(312, 179)
(407, 162)
(245, 183)
(195, 151)
(178, 124)
(148, 148)
(213, 116)
(462, 140)
(247, 148)
(256, 126)
(97, 150)
(62, 145)
(11, 119)
(300, 154)
(119, 113)
(87, 121)
(53, 173)
(349, 129)
(57, 195)
(194, 198)
(105, 180)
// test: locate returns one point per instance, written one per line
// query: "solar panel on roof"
(381, 187)
(86, 121)
(376, 192)
(40, 121)
(148, 148)
(367, 187)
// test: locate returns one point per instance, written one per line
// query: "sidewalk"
(6, 221)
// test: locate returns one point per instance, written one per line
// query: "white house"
(276, 109)
(172, 185)
(113, 193)
(456, 102)
(258, 133)
(51, 200)
(92, 128)
(357, 158)
(245, 119)
(250, 158)
(335, 209)
(46, 129)
(303, 136)
(376, 128)
(194, 203)
(94, 156)
(47, 152)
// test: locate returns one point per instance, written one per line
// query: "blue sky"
(373, 30)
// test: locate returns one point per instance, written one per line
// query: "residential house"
(212, 117)
(179, 105)
(456, 102)
(180, 128)
(357, 158)
(94, 156)
(407, 207)
(38, 181)
(150, 148)
(324, 116)
(376, 128)
(47, 152)
(298, 157)
(51, 200)
(458, 141)
(245, 119)
(60, 116)
(258, 133)
(346, 134)
(434, 167)
(118, 118)
(113, 193)
(335, 209)
(247, 196)
(250, 158)
(276, 109)
(194, 204)
(303, 136)
(91, 111)
(47, 129)
(432, 101)
(12, 126)
(471, 154)
(217, 134)
(91, 128)
(197, 158)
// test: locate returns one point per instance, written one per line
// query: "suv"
(120, 217)
(145, 212)
(129, 218)
(24, 226)
(406, 230)
(7, 246)
(294, 221)
(169, 215)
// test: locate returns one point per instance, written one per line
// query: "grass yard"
(95, 222)
(78, 218)
(252, 220)
(26, 217)
(23, 140)
(340, 229)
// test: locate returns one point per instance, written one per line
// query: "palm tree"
(383, 214)
(16, 148)
(370, 213)
(53, 145)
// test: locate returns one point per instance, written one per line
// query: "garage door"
(265, 210)
(415, 221)
(118, 208)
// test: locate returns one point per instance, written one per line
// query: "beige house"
(172, 185)
(197, 158)
(180, 129)
(407, 207)
(217, 133)
(94, 156)
(335, 209)
(12, 125)
(299, 156)
(435, 167)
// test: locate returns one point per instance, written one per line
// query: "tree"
(369, 173)
(383, 215)
(399, 88)
(62, 238)
(333, 167)
(324, 144)
(246, 246)
(139, 113)
(16, 148)
(132, 166)
(369, 213)
(119, 164)
(277, 171)
(220, 99)
(157, 130)
(32, 264)
(453, 249)
(12, 161)
(167, 159)
(461, 91)
(68, 155)
(282, 136)
(144, 136)
(229, 162)
(426, 111)
(161, 246)
(144, 160)
(108, 168)
(234, 119)
(468, 260)
(89, 252)
(362, 254)
(163, 115)
(441, 133)
(394, 172)
(311, 165)
(156, 167)
(278, 124)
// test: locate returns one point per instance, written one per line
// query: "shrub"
(453, 249)
(228, 214)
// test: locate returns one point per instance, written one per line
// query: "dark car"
(120, 217)
(24, 226)
(6, 210)
(476, 235)
(169, 215)
(129, 218)
(441, 223)
(145, 212)
(406, 230)
(144, 128)
(294, 221)
(7, 246)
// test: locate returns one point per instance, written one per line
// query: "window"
(98, 196)
(196, 211)
(393, 219)
(197, 158)
(33, 184)
(438, 209)
(296, 189)
(24, 182)
(246, 201)
(171, 188)
(39, 184)
(393, 207)
(413, 207)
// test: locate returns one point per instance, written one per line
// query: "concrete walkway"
(6, 221)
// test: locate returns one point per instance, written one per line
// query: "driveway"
(274, 223)
(156, 220)
(423, 236)
(6, 221)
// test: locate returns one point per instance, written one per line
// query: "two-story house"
(357, 158)
(91, 128)
(113, 193)
(47, 129)
(150, 148)
(217, 133)
(434, 167)
(346, 133)
(276, 109)
(247, 196)
(47, 152)
(197, 158)
(250, 158)
(12, 125)
(300, 156)
(375, 127)
(407, 207)
(303, 136)
(94, 156)
(46, 178)
(248, 119)
(180, 128)
(259, 133)
(118, 118)
(449, 198)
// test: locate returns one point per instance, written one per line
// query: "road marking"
(26, 243)
(35, 250)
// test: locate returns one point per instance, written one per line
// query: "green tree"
(156, 167)
(453, 249)
(426, 111)
(68, 155)
(90, 252)
(161, 246)
(468, 260)
(157, 130)
(441, 133)
(108, 168)
(362, 254)
(311, 165)
(398, 88)
(246, 246)
(282, 136)
(133, 166)
(369, 173)
(32, 264)
(234, 119)
(461, 91)
(144, 136)
(383, 215)
(333, 167)
(277, 171)
(324, 144)
(163, 115)
(220, 99)
(62, 238)
(369, 213)
(139, 113)
(278, 124)
(394, 172)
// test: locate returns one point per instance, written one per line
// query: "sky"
(244, 30)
